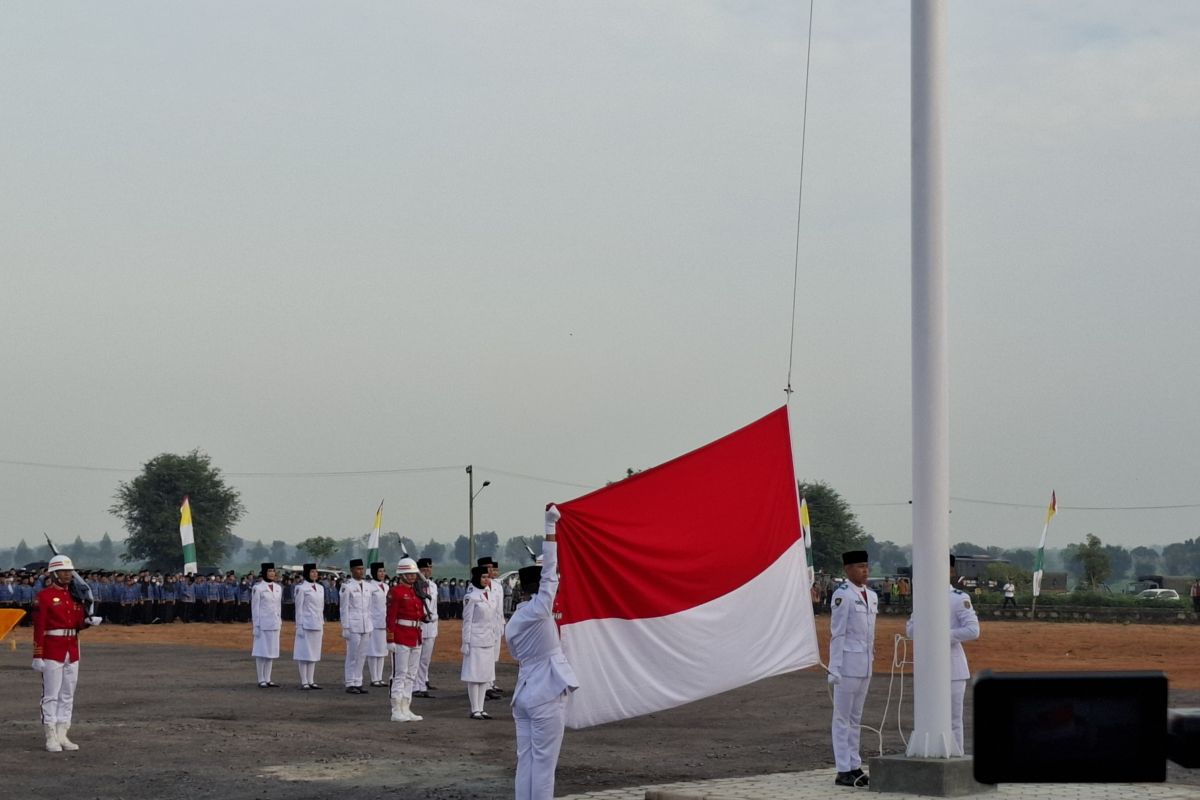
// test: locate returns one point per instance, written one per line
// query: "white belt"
(61, 632)
(408, 623)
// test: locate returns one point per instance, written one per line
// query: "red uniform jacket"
(56, 609)
(404, 614)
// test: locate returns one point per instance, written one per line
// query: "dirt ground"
(173, 711)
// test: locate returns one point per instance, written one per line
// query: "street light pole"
(471, 495)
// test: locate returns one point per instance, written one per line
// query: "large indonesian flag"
(686, 580)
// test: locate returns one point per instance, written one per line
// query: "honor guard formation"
(396, 621)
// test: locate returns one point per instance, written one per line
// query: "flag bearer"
(545, 678)
(851, 655)
(964, 627)
(355, 612)
(58, 618)
(266, 607)
(309, 597)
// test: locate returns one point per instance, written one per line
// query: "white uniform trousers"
(849, 695)
(405, 661)
(422, 679)
(356, 655)
(957, 690)
(539, 738)
(58, 691)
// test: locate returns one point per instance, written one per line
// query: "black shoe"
(262, 686)
(856, 778)
(478, 715)
(355, 690)
(491, 694)
(426, 695)
(314, 686)
(305, 687)
(485, 715)
(272, 685)
(430, 687)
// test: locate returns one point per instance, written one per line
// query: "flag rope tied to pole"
(187, 539)
(1040, 562)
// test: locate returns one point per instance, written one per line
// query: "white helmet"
(407, 567)
(60, 562)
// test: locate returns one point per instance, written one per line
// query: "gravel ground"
(188, 721)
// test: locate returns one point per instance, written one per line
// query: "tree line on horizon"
(148, 504)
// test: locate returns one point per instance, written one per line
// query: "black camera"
(1079, 727)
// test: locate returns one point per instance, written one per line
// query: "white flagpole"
(932, 735)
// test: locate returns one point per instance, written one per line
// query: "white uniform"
(266, 613)
(377, 647)
(355, 609)
(479, 645)
(429, 632)
(310, 629)
(496, 595)
(851, 656)
(964, 627)
(544, 682)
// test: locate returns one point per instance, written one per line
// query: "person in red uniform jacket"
(405, 613)
(58, 617)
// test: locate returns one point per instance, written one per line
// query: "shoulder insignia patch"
(966, 603)
(837, 601)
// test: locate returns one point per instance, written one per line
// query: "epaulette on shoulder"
(959, 591)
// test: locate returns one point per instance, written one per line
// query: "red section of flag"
(683, 533)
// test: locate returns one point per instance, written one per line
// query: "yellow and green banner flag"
(186, 537)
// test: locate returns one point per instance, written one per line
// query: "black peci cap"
(854, 557)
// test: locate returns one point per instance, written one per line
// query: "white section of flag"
(631, 667)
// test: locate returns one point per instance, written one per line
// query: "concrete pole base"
(935, 777)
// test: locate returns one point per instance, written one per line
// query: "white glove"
(346, 634)
(38, 664)
(834, 679)
(552, 517)
(465, 649)
(391, 647)
(94, 621)
(300, 634)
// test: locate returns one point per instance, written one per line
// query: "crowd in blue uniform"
(145, 598)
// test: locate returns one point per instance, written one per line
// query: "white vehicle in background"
(1158, 594)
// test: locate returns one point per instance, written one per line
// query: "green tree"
(149, 506)
(487, 543)
(515, 552)
(1093, 562)
(257, 551)
(105, 554)
(1020, 558)
(320, 548)
(1021, 578)
(1182, 558)
(462, 550)
(835, 529)
(22, 555)
(1145, 561)
(434, 550)
(1119, 560)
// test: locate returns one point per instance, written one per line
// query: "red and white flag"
(686, 580)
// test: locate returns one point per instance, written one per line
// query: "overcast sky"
(556, 240)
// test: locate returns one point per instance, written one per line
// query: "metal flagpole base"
(935, 777)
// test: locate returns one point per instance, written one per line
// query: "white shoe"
(66, 743)
(52, 745)
(398, 714)
(407, 705)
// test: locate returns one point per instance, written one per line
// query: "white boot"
(52, 744)
(397, 710)
(408, 710)
(66, 743)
